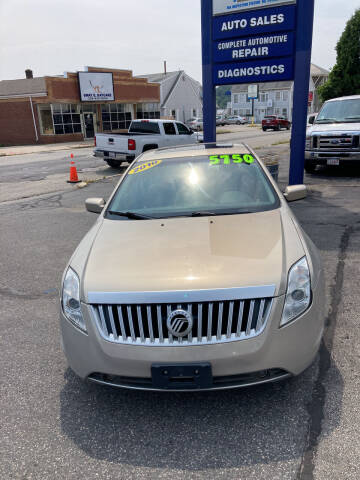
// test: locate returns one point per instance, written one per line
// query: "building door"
(89, 125)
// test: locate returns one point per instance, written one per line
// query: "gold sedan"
(196, 276)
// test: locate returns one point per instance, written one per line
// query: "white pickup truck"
(143, 135)
(334, 135)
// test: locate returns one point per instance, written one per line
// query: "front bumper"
(321, 157)
(275, 354)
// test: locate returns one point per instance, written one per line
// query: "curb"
(45, 151)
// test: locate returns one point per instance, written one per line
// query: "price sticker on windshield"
(144, 166)
(229, 159)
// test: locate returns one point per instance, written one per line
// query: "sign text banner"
(232, 6)
(254, 23)
(251, 48)
(251, 72)
(96, 86)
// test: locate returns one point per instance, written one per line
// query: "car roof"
(157, 120)
(193, 151)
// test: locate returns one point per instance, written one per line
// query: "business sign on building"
(96, 86)
(232, 6)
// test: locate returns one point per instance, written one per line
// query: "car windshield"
(344, 111)
(194, 186)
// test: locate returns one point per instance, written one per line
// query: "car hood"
(334, 127)
(192, 253)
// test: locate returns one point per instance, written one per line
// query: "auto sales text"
(254, 22)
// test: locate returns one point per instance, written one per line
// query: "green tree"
(221, 98)
(344, 78)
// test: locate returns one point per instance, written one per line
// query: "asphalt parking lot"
(54, 426)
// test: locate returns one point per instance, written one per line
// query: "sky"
(52, 37)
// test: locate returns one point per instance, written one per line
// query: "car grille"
(213, 322)
(341, 142)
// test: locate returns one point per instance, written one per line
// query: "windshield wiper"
(130, 215)
(203, 214)
(218, 214)
(327, 120)
(357, 117)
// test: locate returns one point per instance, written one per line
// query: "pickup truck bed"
(143, 135)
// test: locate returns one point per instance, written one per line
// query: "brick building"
(64, 108)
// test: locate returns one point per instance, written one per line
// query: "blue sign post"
(252, 41)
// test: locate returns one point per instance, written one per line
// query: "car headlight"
(298, 294)
(308, 142)
(71, 299)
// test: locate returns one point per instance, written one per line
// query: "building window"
(46, 120)
(148, 110)
(284, 112)
(66, 118)
(277, 111)
(236, 98)
(285, 95)
(116, 116)
(85, 108)
(264, 97)
(277, 96)
(235, 112)
(194, 112)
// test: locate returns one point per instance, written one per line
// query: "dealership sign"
(232, 6)
(256, 41)
(254, 45)
(96, 86)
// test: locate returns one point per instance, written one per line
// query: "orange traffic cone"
(73, 172)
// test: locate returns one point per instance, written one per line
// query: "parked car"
(220, 120)
(334, 137)
(275, 122)
(236, 120)
(196, 276)
(195, 123)
(143, 135)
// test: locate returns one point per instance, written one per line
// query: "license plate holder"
(181, 376)
(112, 154)
(333, 161)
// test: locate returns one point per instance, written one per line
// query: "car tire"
(113, 163)
(264, 129)
(310, 166)
(288, 127)
(238, 123)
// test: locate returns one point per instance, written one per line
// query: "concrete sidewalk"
(51, 147)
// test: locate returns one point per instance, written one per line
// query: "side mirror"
(95, 205)
(312, 119)
(295, 192)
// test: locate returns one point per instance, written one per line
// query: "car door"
(185, 137)
(170, 134)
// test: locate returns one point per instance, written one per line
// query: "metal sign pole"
(304, 32)
(209, 92)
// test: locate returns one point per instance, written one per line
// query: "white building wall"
(185, 99)
(272, 102)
